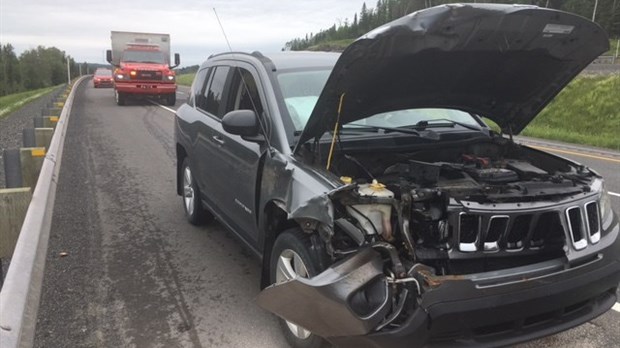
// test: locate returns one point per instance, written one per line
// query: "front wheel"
(171, 99)
(120, 97)
(192, 204)
(291, 258)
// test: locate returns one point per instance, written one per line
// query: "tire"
(192, 204)
(171, 99)
(293, 246)
(120, 98)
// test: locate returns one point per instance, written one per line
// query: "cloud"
(82, 28)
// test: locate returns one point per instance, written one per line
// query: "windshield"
(301, 90)
(144, 57)
(411, 117)
(103, 73)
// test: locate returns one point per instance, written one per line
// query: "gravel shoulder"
(11, 126)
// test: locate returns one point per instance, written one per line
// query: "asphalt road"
(136, 274)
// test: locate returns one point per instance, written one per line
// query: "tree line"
(35, 68)
(607, 15)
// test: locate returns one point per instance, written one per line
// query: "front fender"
(302, 192)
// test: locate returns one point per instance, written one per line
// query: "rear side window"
(198, 86)
(213, 95)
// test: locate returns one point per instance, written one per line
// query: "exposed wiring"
(335, 135)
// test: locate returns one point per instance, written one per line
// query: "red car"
(103, 78)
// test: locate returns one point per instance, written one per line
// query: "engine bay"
(415, 205)
(493, 171)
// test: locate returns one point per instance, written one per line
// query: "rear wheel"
(291, 258)
(120, 97)
(192, 204)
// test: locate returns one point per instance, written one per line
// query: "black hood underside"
(504, 62)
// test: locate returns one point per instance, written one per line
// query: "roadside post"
(13, 206)
(31, 159)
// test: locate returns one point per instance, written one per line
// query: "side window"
(214, 93)
(197, 86)
(244, 92)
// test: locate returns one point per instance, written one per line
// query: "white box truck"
(142, 66)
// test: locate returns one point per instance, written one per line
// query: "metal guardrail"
(21, 292)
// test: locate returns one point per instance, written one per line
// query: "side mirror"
(177, 61)
(108, 56)
(243, 123)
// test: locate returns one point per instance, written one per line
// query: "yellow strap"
(331, 148)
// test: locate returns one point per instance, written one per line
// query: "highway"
(125, 269)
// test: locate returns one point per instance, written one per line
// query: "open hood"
(504, 62)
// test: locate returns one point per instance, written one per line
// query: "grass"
(12, 102)
(586, 112)
(185, 79)
(613, 44)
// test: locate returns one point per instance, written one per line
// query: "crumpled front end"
(361, 302)
(484, 243)
(350, 298)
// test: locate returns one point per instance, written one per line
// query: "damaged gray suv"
(385, 212)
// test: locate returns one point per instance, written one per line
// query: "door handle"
(218, 139)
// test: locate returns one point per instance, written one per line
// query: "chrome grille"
(546, 223)
(497, 228)
(594, 222)
(148, 75)
(518, 232)
(469, 227)
(576, 227)
(550, 228)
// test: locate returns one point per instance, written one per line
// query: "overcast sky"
(82, 28)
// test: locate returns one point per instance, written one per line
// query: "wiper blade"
(387, 129)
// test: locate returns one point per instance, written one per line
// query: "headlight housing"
(169, 78)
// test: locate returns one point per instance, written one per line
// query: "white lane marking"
(614, 194)
(179, 92)
(616, 307)
(552, 149)
(164, 107)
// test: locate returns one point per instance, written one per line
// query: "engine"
(450, 208)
